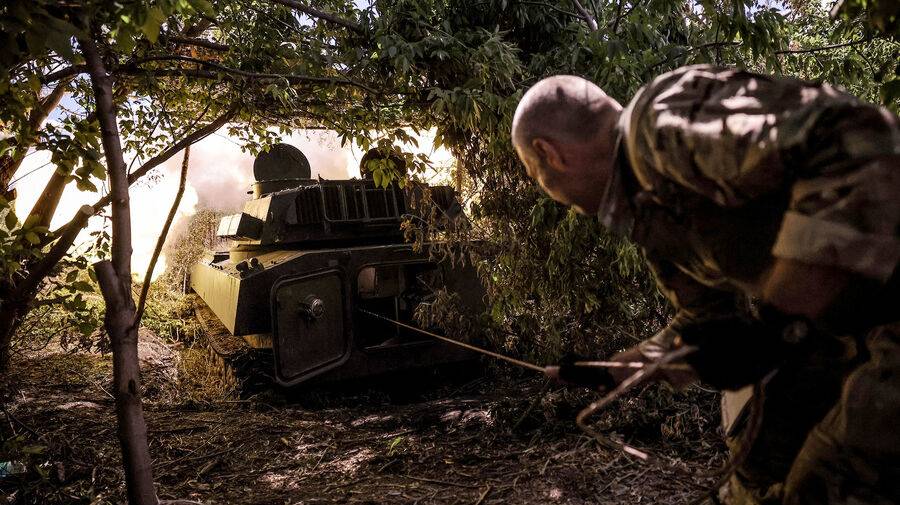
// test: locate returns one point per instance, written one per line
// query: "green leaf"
(98, 170)
(203, 6)
(32, 238)
(10, 220)
(82, 286)
(890, 91)
(154, 21)
(85, 185)
(125, 40)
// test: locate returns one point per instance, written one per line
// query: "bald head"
(564, 108)
(564, 131)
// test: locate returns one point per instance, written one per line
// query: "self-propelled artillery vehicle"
(311, 260)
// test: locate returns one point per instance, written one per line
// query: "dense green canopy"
(182, 68)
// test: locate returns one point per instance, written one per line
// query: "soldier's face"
(573, 174)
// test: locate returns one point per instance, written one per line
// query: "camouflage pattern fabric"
(853, 455)
(703, 138)
(721, 171)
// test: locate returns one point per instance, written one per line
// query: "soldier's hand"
(603, 378)
(570, 374)
(735, 351)
(677, 377)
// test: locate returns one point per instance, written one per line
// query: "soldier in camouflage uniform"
(769, 211)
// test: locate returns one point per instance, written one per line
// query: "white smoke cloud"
(327, 159)
(220, 177)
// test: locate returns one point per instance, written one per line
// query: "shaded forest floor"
(478, 440)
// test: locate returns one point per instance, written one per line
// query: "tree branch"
(42, 269)
(160, 158)
(109, 282)
(145, 288)
(290, 78)
(309, 11)
(192, 138)
(64, 73)
(187, 41)
(591, 22)
(826, 48)
(46, 204)
(614, 25)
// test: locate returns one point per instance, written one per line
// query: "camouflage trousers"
(830, 430)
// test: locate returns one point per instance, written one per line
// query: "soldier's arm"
(840, 234)
(803, 289)
(694, 302)
(734, 136)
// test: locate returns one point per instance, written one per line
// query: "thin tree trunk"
(10, 163)
(160, 242)
(11, 314)
(114, 278)
(19, 297)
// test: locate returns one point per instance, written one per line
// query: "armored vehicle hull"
(304, 306)
(306, 265)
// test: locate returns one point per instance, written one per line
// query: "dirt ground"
(484, 438)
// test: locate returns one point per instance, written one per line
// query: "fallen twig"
(537, 398)
(442, 482)
(16, 420)
(483, 495)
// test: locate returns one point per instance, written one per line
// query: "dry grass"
(460, 442)
(200, 379)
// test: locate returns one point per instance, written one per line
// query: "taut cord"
(645, 371)
(525, 364)
(514, 361)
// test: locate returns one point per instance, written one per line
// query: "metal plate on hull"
(219, 290)
(309, 335)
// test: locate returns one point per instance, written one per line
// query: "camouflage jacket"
(721, 171)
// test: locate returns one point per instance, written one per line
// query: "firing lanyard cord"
(518, 362)
(514, 361)
(645, 371)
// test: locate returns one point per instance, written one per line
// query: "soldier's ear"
(550, 155)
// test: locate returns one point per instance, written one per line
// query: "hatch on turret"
(291, 210)
(283, 166)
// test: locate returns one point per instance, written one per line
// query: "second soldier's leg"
(796, 398)
(853, 455)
